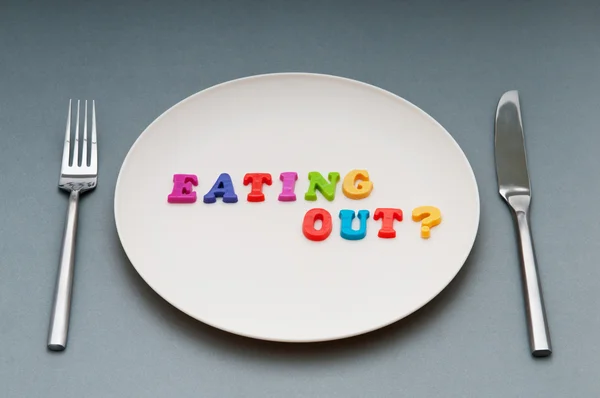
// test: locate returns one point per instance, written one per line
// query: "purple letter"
(223, 188)
(289, 181)
(182, 189)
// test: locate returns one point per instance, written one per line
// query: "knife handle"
(539, 336)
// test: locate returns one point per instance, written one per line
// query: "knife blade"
(514, 186)
(511, 160)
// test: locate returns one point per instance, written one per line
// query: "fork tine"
(76, 146)
(84, 161)
(67, 146)
(94, 149)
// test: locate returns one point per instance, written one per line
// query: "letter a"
(223, 188)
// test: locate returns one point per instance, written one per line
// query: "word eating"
(356, 185)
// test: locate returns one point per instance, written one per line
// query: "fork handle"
(61, 307)
(539, 337)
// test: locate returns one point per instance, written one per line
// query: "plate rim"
(300, 74)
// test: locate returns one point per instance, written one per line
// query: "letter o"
(308, 225)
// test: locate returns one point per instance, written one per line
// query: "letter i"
(289, 182)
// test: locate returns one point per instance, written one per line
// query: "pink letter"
(182, 189)
(289, 181)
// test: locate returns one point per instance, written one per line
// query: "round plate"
(247, 267)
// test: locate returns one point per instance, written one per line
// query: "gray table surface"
(452, 58)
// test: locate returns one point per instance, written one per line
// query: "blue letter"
(346, 230)
(223, 188)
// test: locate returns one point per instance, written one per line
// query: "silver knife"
(514, 187)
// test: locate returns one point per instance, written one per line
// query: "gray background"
(451, 58)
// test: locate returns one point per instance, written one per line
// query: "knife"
(515, 188)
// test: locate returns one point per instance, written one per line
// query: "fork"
(76, 178)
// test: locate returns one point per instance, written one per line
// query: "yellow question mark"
(430, 217)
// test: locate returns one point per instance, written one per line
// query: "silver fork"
(76, 178)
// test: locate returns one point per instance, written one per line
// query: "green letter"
(317, 181)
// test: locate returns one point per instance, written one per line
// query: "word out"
(429, 216)
(356, 185)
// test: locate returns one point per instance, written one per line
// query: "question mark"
(430, 217)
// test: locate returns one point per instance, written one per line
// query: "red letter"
(257, 180)
(387, 224)
(308, 225)
(182, 189)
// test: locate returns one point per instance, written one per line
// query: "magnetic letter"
(387, 217)
(317, 181)
(257, 180)
(182, 189)
(354, 190)
(429, 216)
(308, 225)
(289, 182)
(223, 188)
(346, 230)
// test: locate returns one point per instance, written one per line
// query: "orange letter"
(352, 190)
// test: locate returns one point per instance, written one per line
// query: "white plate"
(247, 268)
